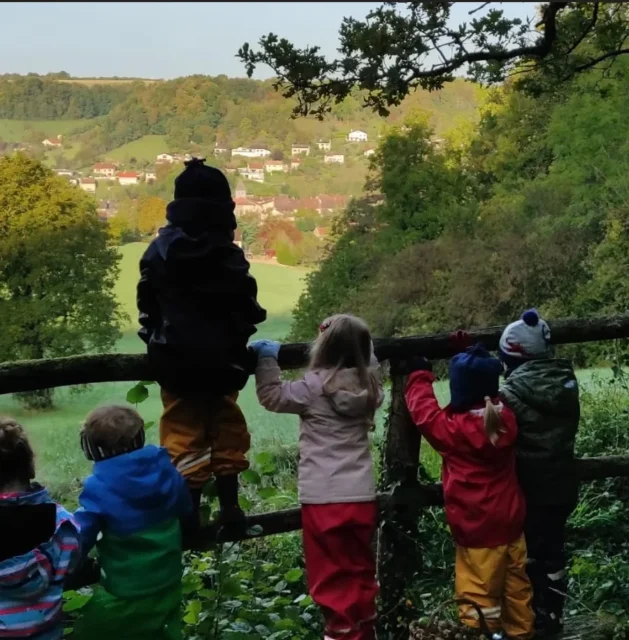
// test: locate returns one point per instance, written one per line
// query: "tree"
(403, 46)
(151, 214)
(58, 274)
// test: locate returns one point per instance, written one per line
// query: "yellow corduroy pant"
(205, 435)
(496, 579)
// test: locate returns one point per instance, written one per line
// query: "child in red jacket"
(484, 505)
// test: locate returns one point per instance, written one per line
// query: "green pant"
(154, 617)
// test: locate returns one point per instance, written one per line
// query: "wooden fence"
(402, 496)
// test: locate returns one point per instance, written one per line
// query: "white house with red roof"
(128, 178)
(357, 136)
(54, 143)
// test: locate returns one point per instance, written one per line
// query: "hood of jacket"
(195, 226)
(549, 386)
(142, 479)
(347, 395)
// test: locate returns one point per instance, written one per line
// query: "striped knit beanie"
(527, 338)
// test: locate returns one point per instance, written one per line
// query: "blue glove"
(265, 348)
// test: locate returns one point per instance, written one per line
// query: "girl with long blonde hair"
(336, 401)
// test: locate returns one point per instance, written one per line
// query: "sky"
(170, 39)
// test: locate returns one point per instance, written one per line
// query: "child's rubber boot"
(191, 524)
(231, 518)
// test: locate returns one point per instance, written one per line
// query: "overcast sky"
(168, 39)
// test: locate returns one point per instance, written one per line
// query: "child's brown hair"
(17, 460)
(111, 431)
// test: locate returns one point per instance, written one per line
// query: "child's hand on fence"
(265, 348)
(409, 365)
(459, 341)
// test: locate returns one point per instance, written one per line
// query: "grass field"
(144, 149)
(15, 130)
(60, 462)
(54, 434)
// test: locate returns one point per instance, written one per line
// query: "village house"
(334, 158)
(52, 142)
(251, 152)
(88, 185)
(105, 169)
(357, 136)
(165, 157)
(219, 149)
(106, 209)
(128, 178)
(300, 149)
(295, 163)
(64, 172)
(150, 174)
(241, 191)
(324, 145)
(369, 152)
(275, 166)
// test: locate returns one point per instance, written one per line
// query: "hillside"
(121, 118)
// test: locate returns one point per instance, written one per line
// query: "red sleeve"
(426, 413)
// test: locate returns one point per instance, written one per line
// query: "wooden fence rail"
(399, 556)
(29, 375)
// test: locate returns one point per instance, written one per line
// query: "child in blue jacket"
(134, 498)
(39, 545)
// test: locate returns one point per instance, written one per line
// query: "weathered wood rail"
(60, 372)
(403, 497)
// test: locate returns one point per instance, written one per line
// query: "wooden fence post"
(399, 553)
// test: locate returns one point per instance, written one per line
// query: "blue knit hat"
(474, 375)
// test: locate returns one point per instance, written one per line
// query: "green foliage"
(248, 592)
(58, 274)
(529, 208)
(402, 46)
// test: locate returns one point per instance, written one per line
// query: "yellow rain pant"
(496, 580)
(204, 435)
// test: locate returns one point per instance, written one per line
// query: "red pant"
(340, 566)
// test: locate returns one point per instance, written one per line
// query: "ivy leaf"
(148, 425)
(294, 575)
(251, 476)
(137, 394)
(267, 492)
(75, 602)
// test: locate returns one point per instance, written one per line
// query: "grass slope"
(60, 462)
(15, 130)
(144, 149)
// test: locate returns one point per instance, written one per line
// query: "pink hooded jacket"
(335, 462)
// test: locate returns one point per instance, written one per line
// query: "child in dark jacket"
(198, 309)
(39, 545)
(544, 395)
(485, 507)
(135, 499)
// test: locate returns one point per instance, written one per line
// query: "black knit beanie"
(199, 181)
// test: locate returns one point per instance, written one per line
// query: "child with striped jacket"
(39, 545)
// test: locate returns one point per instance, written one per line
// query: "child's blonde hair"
(492, 421)
(344, 342)
(17, 460)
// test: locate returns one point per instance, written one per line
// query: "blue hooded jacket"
(130, 493)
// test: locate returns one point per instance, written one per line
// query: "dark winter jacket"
(197, 300)
(544, 395)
